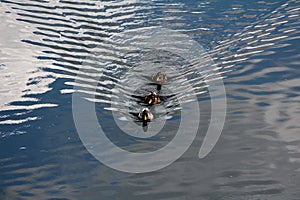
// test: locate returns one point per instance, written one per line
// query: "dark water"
(51, 50)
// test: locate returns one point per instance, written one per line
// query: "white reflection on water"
(21, 74)
(274, 102)
(250, 162)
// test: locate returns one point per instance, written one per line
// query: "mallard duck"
(160, 78)
(145, 115)
(152, 99)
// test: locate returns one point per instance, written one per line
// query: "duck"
(152, 99)
(160, 78)
(145, 115)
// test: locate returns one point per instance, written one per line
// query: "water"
(103, 51)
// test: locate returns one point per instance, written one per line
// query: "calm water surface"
(49, 46)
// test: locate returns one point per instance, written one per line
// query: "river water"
(102, 55)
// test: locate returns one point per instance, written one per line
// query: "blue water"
(46, 44)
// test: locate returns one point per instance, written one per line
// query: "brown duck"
(160, 78)
(152, 99)
(145, 115)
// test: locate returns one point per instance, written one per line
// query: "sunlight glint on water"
(45, 45)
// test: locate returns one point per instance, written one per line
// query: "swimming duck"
(160, 78)
(152, 99)
(145, 115)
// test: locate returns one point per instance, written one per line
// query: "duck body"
(145, 115)
(160, 78)
(152, 99)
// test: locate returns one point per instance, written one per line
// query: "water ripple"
(92, 47)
